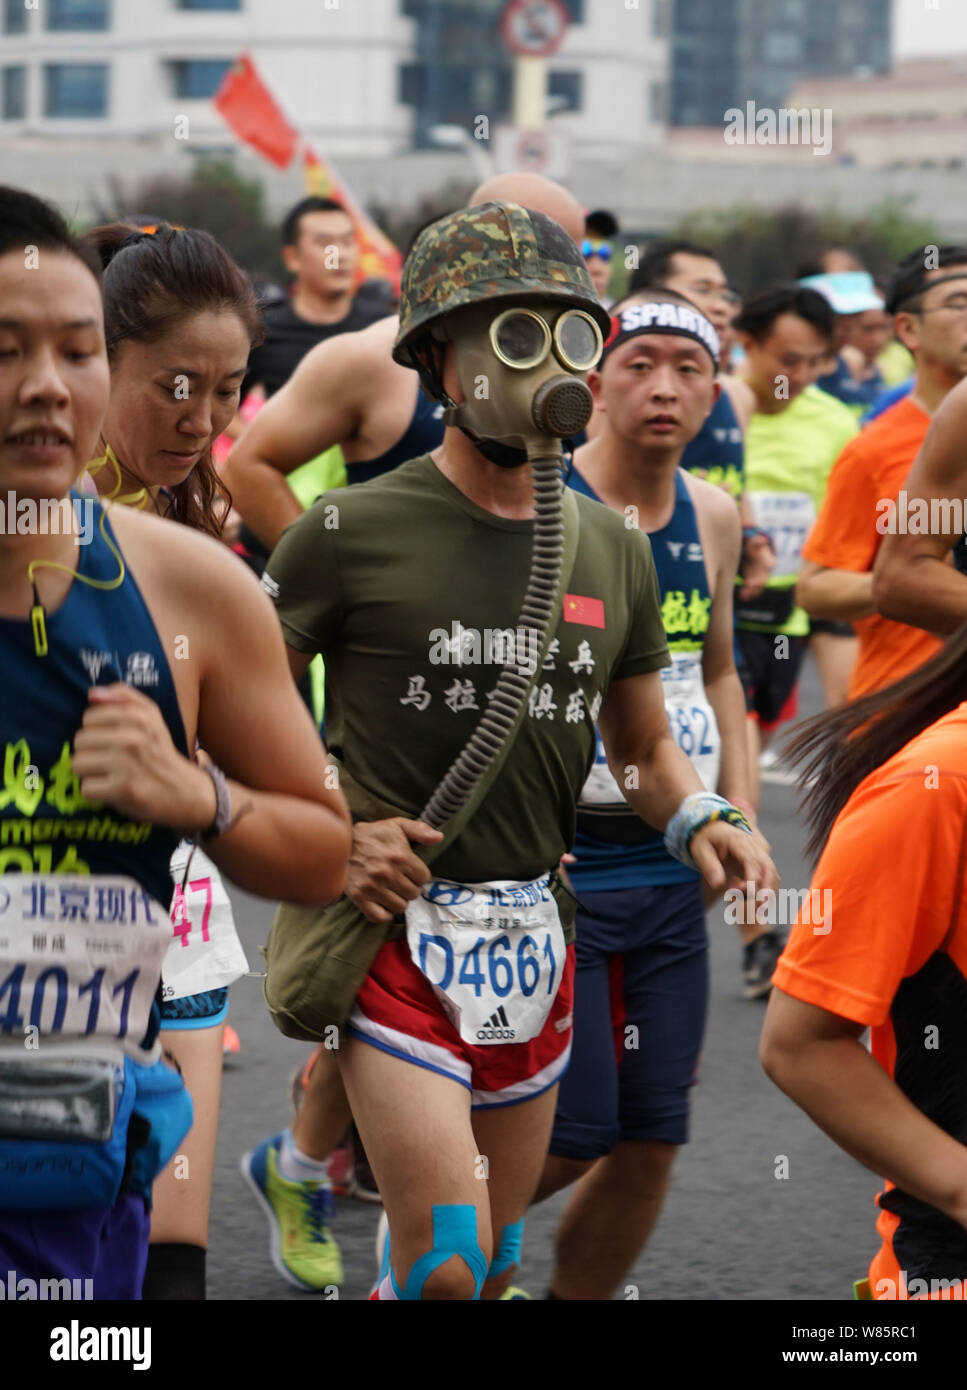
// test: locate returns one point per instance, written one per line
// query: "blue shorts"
(107, 1245)
(640, 998)
(195, 1010)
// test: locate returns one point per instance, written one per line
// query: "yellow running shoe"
(299, 1213)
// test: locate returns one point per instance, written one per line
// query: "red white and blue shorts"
(397, 1011)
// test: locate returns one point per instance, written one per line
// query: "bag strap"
(374, 808)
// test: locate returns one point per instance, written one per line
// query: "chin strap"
(503, 455)
(428, 370)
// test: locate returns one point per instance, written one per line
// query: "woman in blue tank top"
(99, 783)
(175, 296)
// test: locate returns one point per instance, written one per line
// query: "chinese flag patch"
(589, 611)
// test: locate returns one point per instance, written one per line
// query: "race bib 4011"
(493, 953)
(80, 956)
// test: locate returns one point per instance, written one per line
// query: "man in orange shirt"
(836, 580)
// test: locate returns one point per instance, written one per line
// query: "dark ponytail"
(153, 281)
(840, 748)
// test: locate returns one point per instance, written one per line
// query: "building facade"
(367, 78)
(727, 52)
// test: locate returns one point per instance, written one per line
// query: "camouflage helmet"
(495, 251)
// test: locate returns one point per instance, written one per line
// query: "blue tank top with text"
(602, 863)
(95, 637)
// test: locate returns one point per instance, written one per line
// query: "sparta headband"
(655, 317)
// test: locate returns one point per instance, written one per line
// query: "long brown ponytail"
(153, 280)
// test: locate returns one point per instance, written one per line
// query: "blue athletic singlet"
(614, 847)
(96, 637)
(717, 452)
(888, 398)
(424, 432)
(841, 383)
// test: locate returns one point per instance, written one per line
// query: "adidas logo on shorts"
(497, 1028)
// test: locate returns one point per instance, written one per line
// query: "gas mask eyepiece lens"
(577, 340)
(520, 338)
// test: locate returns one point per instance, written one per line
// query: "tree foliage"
(759, 248)
(215, 198)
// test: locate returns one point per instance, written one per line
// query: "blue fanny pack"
(73, 1135)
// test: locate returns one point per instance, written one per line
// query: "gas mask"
(522, 374)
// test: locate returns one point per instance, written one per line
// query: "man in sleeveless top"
(642, 973)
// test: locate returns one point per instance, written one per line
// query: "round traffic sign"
(534, 28)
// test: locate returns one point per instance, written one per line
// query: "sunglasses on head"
(596, 248)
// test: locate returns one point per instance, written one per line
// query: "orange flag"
(377, 254)
(250, 109)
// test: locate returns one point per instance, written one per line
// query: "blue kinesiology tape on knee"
(508, 1249)
(454, 1233)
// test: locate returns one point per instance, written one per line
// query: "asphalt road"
(731, 1228)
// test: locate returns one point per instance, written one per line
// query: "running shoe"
(299, 1214)
(759, 960)
(514, 1293)
(231, 1042)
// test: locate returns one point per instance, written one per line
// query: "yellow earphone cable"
(139, 499)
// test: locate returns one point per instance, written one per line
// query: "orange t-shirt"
(873, 466)
(892, 954)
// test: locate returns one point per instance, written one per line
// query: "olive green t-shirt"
(394, 580)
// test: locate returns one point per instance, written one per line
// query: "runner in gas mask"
(447, 585)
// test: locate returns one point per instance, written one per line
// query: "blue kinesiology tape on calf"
(454, 1233)
(508, 1249)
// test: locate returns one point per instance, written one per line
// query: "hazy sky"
(937, 27)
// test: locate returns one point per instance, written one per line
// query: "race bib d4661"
(493, 954)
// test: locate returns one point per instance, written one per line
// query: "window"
(410, 75)
(199, 78)
(661, 18)
(13, 94)
(14, 17)
(782, 48)
(209, 4)
(564, 91)
(75, 89)
(658, 101)
(575, 10)
(76, 16)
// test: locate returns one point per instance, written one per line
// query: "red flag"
(250, 109)
(588, 611)
(377, 254)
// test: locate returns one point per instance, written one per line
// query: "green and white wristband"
(696, 811)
